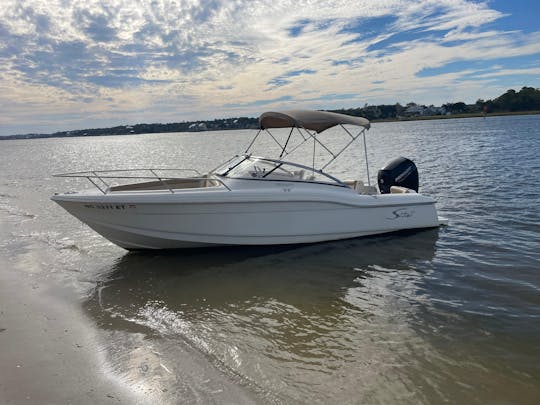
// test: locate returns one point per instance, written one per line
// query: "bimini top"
(317, 121)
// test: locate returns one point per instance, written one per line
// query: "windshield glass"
(265, 169)
(230, 165)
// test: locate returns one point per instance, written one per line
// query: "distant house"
(198, 126)
(422, 111)
(414, 111)
(372, 111)
(432, 110)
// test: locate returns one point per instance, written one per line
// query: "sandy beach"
(53, 352)
(49, 351)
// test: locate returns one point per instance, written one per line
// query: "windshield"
(230, 165)
(248, 167)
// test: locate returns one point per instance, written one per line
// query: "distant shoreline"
(464, 115)
(249, 123)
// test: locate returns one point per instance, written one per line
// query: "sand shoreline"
(49, 349)
(54, 352)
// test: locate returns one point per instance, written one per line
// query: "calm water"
(449, 315)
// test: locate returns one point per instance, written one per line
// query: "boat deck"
(167, 184)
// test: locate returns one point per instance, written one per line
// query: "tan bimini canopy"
(317, 121)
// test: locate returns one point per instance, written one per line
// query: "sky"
(99, 63)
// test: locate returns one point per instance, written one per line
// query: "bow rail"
(103, 179)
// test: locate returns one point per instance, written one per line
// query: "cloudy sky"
(72, 64)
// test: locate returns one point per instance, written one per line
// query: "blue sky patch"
(284, 78)
(481, 66)
(398, 40)
(297, 29)
(365, 28)
(523, 15)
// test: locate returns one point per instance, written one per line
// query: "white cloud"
(128, 60)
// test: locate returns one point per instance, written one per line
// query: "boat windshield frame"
(264, 169)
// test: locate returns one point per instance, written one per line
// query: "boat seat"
(400, 190)
(211, 183)
(361, 188)
(354, 184)
(369, 190)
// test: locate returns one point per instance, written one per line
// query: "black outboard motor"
(400, 172)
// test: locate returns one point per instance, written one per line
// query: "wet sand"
(49, 353)
(53, 353)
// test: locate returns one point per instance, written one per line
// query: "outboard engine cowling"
(400, 172)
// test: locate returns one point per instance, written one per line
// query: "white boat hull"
(244, 217)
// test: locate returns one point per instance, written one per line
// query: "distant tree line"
(527, 99)
(185, 126)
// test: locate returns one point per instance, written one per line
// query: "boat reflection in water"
(329, 317)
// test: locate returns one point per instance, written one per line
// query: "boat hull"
(201, 220)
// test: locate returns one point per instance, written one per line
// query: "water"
(448, 315)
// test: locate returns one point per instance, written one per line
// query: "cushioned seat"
(400, 190)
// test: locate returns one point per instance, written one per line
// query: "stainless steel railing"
(98, 178)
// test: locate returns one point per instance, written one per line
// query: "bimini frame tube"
(313, 136)
(316, 121)
(365, 155)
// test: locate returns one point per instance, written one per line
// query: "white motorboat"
(253, 200)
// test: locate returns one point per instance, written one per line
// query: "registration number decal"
(120, 207)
